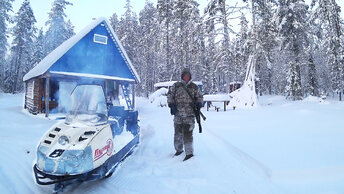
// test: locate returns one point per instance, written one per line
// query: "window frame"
(100, 36)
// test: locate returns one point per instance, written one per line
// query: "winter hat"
(186, 71)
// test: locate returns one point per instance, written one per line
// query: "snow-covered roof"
(216, 97)
(56, 54)
(236, 82)
(170, 83)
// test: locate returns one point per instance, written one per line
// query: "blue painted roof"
(81, 55)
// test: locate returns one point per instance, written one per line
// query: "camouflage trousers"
(183, 134)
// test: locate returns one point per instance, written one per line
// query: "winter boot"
(178, 153)
(188, 157)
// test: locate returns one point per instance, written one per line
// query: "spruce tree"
(5, 9)
(21, 49)
(292, 18)
(316, 58)
(70, 30)
(186, 15)
(218, 12)
(58, 30)
(114, 22)
(312, 78)
(266, 43)
(329, 14)
(165, 19)
(198, 49)
(241, 49)
(210, 66)
(128, 32)
(39, 51)
(148, 47)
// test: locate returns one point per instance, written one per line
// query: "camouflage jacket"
(178, 96)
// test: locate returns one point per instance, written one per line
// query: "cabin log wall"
(33, 95)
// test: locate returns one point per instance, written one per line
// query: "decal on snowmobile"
(107, 149)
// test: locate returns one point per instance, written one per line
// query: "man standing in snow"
(181, 98)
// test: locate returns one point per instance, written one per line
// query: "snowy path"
(288, 147)
(19, 135)
(300, 144)
(216, 167)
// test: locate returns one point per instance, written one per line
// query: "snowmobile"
(88, 145)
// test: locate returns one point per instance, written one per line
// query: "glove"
(173, 109)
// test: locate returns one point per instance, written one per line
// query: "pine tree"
(329, 13)
(5, 8)
(58, 30)
(197, 49)
(128, 32)
(217, 16)
(39, 51)
(21, 49)
(114, 22)
(293, 31)
(165, 19)
(148, 47)
(210, 66)
(202, 56)
(315, 52)
(218, 12)
(241, 49)
(70, 30)
(186, 15)
(312, 80)
(266, 43)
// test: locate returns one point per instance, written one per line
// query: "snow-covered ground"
(278, 147)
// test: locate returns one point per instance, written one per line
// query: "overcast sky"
(82, 11)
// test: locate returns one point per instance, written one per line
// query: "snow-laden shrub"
(315, 99)
(159, 97)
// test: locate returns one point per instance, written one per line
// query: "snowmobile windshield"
(88, 106)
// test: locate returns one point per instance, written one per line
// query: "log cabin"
(93, 56)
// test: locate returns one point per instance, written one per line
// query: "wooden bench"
(209, 99)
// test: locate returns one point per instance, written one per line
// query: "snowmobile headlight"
(63, 140)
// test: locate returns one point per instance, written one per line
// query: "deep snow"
(278, 147)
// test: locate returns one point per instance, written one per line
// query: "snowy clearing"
(278, 147)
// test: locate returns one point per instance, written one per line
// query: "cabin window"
(100, 39)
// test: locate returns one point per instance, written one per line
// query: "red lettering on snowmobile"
(107, 149)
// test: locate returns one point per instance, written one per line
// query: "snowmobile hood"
(65, 149)
(69, 137)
